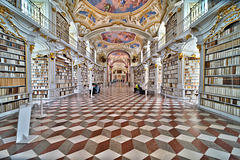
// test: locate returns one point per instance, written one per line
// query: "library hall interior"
(120, 79)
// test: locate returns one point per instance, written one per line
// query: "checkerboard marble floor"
(119, 124)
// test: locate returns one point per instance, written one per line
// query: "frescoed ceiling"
(118, 37)
(117, 6)
(117, 24)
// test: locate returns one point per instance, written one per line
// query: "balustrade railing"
(200, 8)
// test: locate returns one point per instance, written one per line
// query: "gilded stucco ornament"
(52, 56)
(31, 47)
(222, 12)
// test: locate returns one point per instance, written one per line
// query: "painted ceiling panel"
(117, 6)
(118, 37)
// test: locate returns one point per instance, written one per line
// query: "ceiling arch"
(118, 51)
(119, 28)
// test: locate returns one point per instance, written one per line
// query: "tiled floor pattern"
(117, 124)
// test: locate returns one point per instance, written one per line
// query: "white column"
(148, 48)
(132, 77)
(201, 80)
(156, 78)
(105, 76)
(146, 74)
(79, 77)
(29, 70)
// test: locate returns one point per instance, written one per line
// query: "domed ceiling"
(111, 25)
(117, 6)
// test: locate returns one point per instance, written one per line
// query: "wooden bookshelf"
(64, 75)
(84, 74)
(98, 78)
(222, 71)
(191, 76)
(12, 72)
(151, 78)
(170, 75)
(75, 75)
(40, 84)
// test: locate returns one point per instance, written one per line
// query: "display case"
(64, 75)
(40, 83)
(170, 74)
(222, 71)
(12, 72)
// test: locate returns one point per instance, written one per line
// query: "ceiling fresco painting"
(118, 37)
(117, 6)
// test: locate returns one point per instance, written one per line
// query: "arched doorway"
(118, 66)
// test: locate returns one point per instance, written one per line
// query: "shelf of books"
(12, 72)
(40, 82)
(191, 76)
(137, 76)
(98, 77)
(75, 75)
(151, 78)
(170, 75)
(84, 74)
(64, 75)
(159, 78)
(222, 71)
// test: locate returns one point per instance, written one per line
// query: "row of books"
(40, 94)
(231, 44)
(13, 90)
(41, 61)
(64, 80)
(170, 80)
(229, 37)
(10, 38)
(39, 66)
(170, 85)
(223, 80)
(11, 61)
(12, 75)
(165, 76)
(11, 44)
(39, 76)
(12, 98)
(64, 85)
(40, 87)
(11, 50)
(223, 62)
(13, 105)
(39, 81)
(170, 68)
(12, 81)
(191, 86)
(12, 68)
(225, 91)
(223, 71)
(8, 55)
(221, 99)
(221, 107)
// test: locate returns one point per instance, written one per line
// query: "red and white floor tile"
(118, 124)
